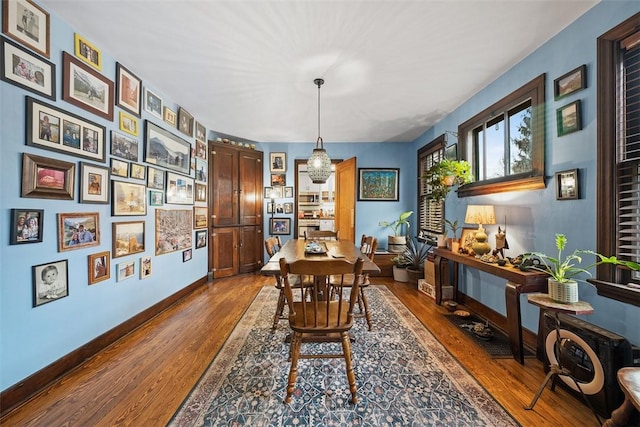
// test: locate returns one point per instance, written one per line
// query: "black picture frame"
(31, 72)
(569, 118)
(129, 90)
(21, 231)
(279, 226)
(185, 122)
(158, 142)
(571, 82)
(201, 239)
(567, 185)
(57, 289)
(379, 184)
(124, 147)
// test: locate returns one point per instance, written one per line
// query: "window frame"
(435, 148)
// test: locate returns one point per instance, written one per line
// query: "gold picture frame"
(87, 51)
(99, 267)
(45, 178)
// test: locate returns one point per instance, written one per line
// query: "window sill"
(502, 186)
(622, 293)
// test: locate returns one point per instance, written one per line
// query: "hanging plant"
(445, 175)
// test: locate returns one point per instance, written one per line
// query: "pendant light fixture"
(319, 164)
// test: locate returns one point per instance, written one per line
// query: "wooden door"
(250, 185)
(223, 173)
(224, 250)
(346, 183)
(251, 249)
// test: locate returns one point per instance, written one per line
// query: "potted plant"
(397, 241)
(415, 254)
(454, 243)
(400, 268)
(444, 175)
(562, 285)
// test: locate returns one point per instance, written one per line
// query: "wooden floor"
(142, 379)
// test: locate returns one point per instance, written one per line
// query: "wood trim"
(29, 387)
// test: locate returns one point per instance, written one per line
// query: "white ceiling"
(246, 68)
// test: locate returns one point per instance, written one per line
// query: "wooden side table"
(629, 380)
(556, 369)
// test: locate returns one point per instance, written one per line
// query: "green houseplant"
(415, 254)
(454, 243)
(400, 268)
(397, 241)
(444, 175)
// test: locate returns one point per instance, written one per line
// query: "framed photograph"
(155, 178)
(145, 267)
(201, 150)
(129, 124)
(288, 192)
(27, 71)
(99, 267)
(567, 185)
(125, 270)
(128, 238)
(45, 178)
(27, 23)
(201, 133)
(280, 226)
(277, 162)
(54, 129)
(179, 189)
(185, 122)
(174, 230)
(273, 192)
(279, 208)
(201, 192)
(200, 216)
(50, 281)
(270, 207)
(451, 152)
(378, 184)
(187, 255)
(78, 230)
(87, 52)
(201, 170)
(156, 198)
(467, 237)
(94, 183)
(129, 90)
(128, 199)
(288, 208)
(124, 146)
(570, 82)
(170, 116)
(119, 168)
(152, 103)
(201, 239)
(86, 88)
(138, 171)
(569, 118)
(278, 179)
(159, 143)
(27, 226)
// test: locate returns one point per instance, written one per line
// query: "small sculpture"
(501, 243)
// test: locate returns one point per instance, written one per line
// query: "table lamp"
(480, 214)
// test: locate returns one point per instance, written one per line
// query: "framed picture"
(187, 255)
(86, 88)
(201, 239)
(170, 116)
(451, 152)
(568, 118)
(127, 238)
(94, 183)
(467, 237)
(125, 270)
(99, 267)
(378, 184)
(201, 132)
(128, 199)
(201, 170)
(173, 230)
(200, 216)
(145, 267)
(129, 93)
(45, 178)
(179, 189)
(201, 192)
(156, 198)
(277, 162)
(119, 168)
(270, 207)
(273, 192)
(138, 171)
(129, 124)
(159, 143)
(278, 179)
(567, 185)
(28, 24)
(124, 146)
(201, 150)
(570, 82)
(152, 103)
(279, 208)
(50, 281)
(87, 52)
(27, 71)
(280, 226)
(27, 226)
(288, 192)
(78, 230)
(185, 122)
(155, 178)
(288, 208)
(54, 129)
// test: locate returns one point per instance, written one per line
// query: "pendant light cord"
(319, 82)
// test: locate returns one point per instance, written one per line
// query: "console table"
(518, 282)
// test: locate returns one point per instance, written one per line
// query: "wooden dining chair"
(368, 246)
(321, 235)
(321, 318)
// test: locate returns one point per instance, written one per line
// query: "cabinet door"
(224, 249)
(250, 185)
(224, 179)
(251, 246)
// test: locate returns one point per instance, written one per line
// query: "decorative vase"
(414, 275)
(400, 274)
(455, 246)
(397, 244)
(563, 292)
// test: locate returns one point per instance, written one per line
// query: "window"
(431, 212)
(618, 192)
(506, 143)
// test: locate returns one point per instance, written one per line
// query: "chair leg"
(362, 297)
(279, 310)
(351, 376)
(296, 342)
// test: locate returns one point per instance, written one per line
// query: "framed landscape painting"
(378, 184)
(162, 148)
(86, 88)
(174, 230)
(127, 238)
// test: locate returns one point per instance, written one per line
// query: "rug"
(404, 376)
(497, 347)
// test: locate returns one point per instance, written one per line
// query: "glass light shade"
(319, 166)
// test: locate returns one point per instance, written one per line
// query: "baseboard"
(29, 387)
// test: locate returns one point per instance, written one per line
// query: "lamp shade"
(319, 166)
(480, 214)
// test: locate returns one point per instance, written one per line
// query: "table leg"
(514, 321)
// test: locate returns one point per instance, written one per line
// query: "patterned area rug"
(405, 377)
